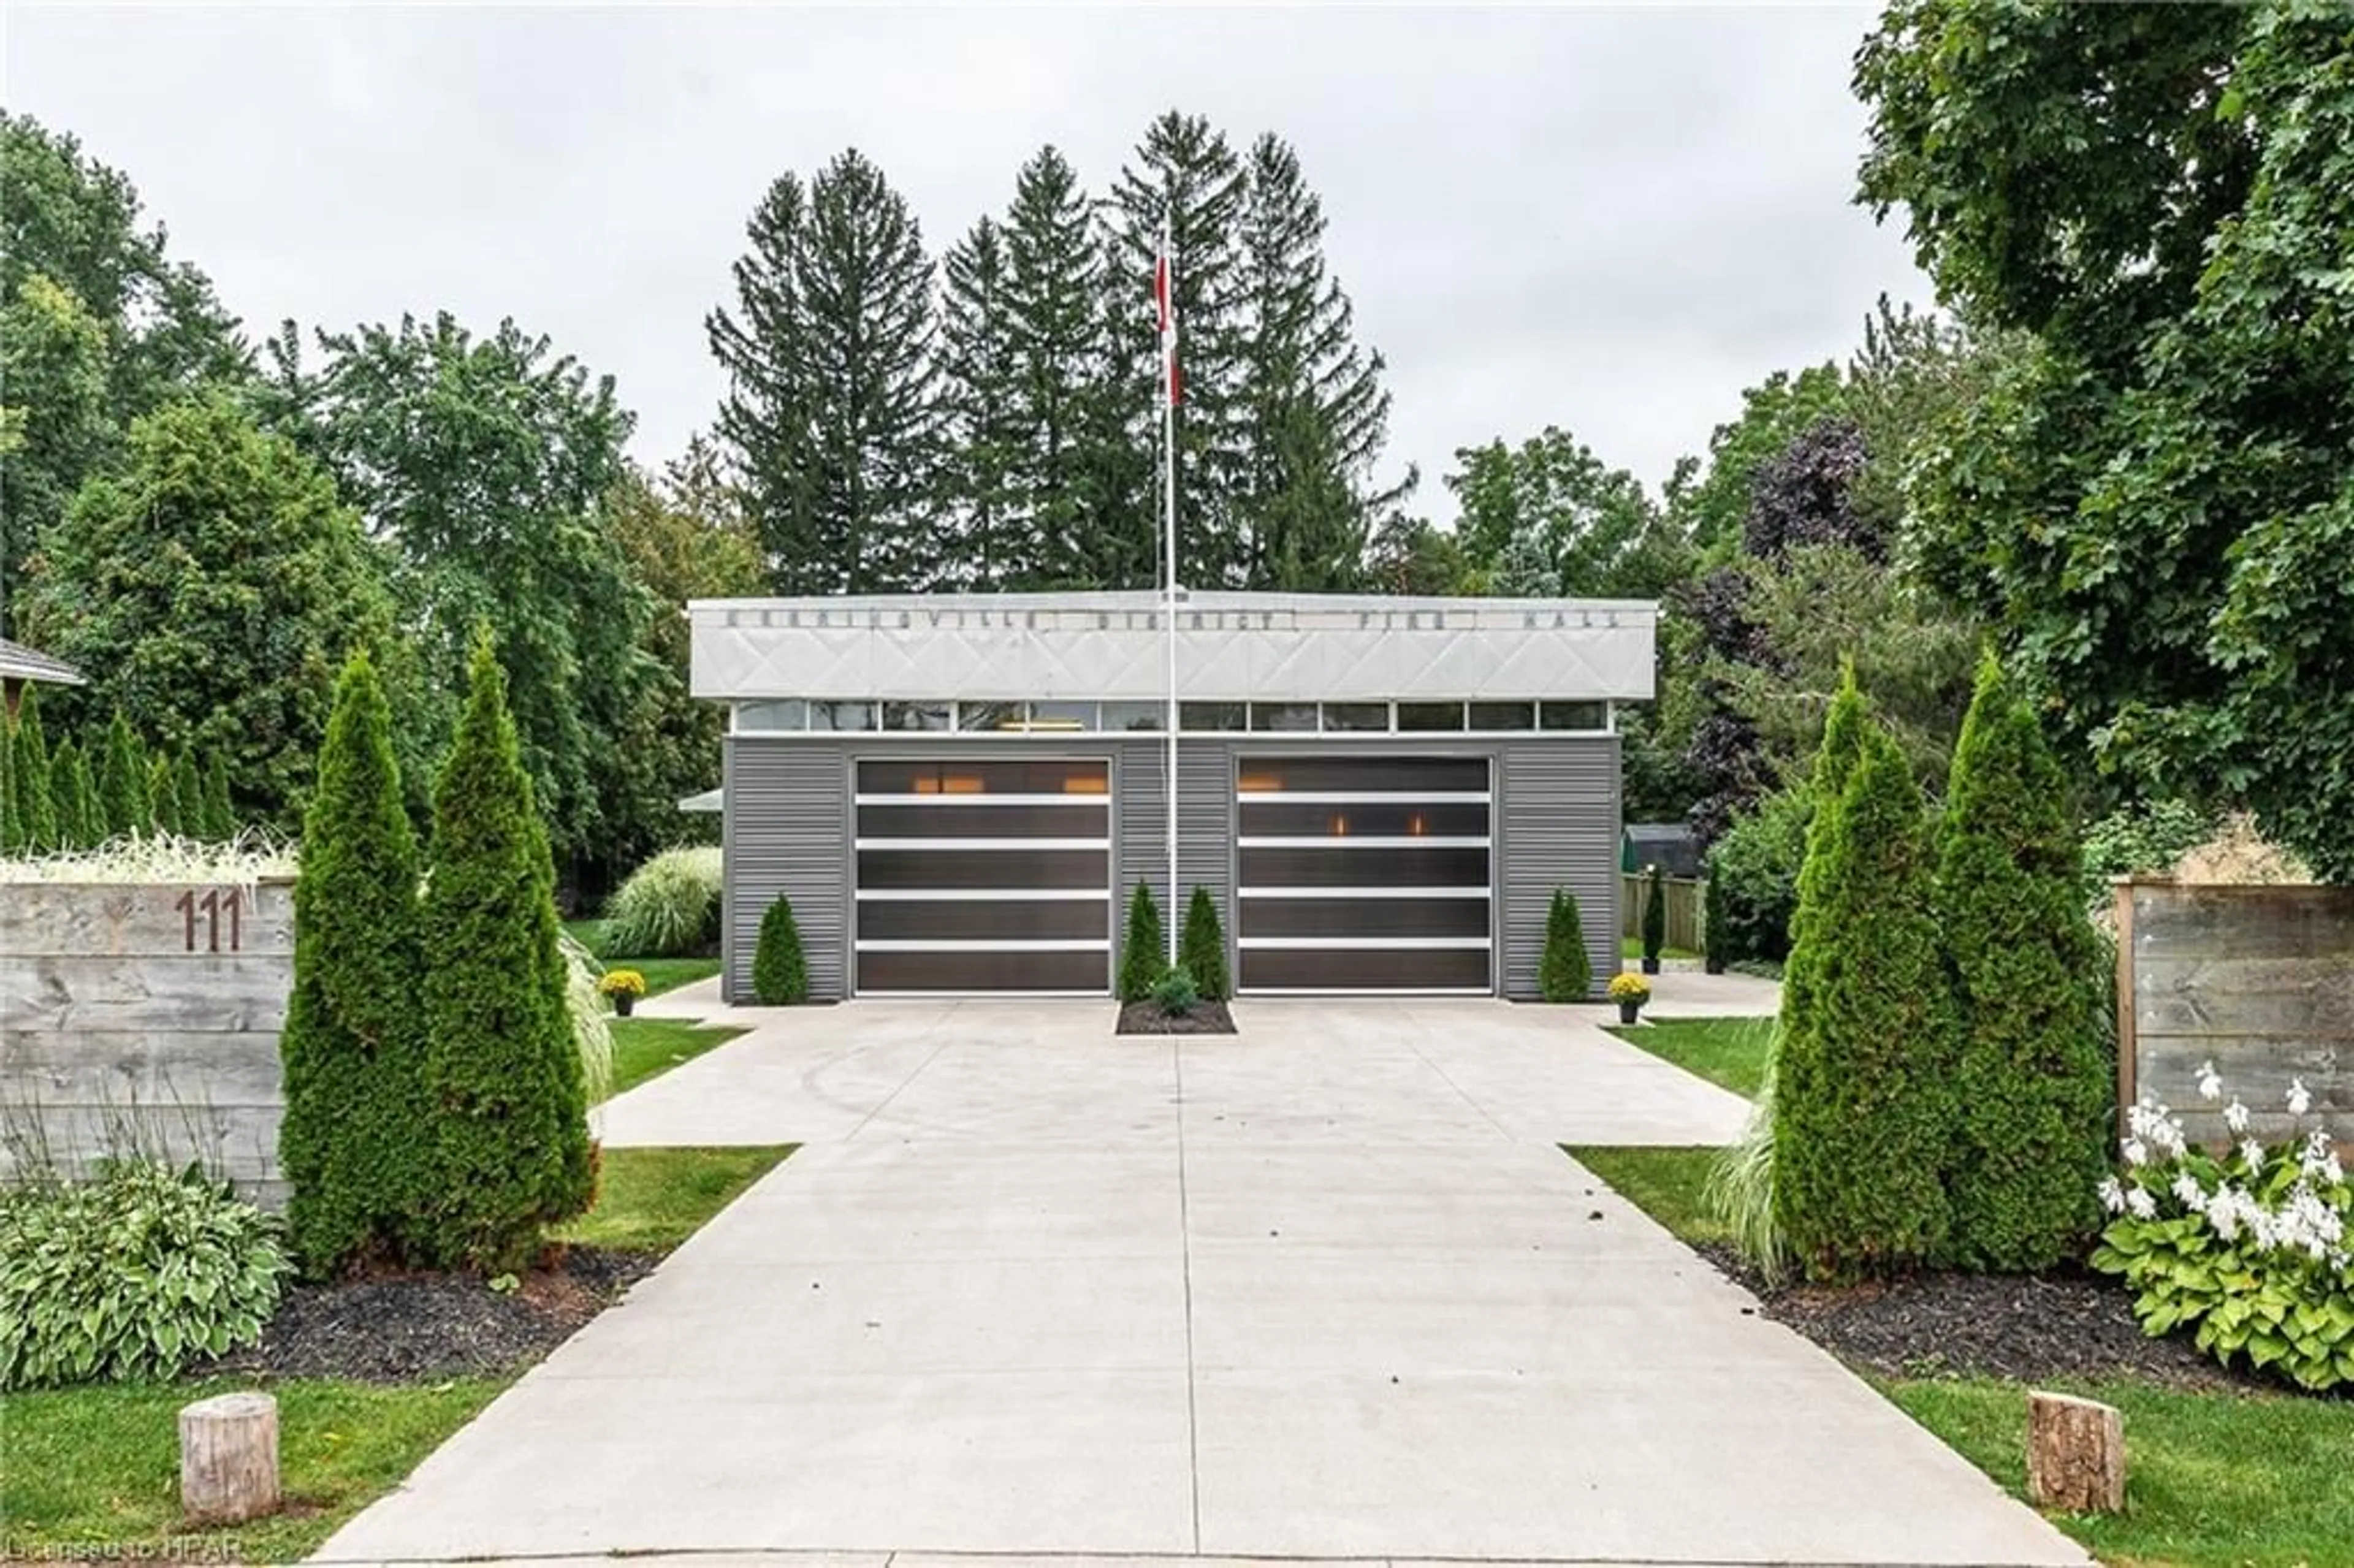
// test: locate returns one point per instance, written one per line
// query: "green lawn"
(2213, 1480)
(648, 1047)
(1730, 1052)
(650, 1200)
(98, 1465)
(662, 974)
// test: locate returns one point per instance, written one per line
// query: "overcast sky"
(1607, 218)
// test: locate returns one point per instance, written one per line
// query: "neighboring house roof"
(709, 801)
(18, 662)
(1231, 647)
(1670, 846)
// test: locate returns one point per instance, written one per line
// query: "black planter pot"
(1650, 966)
(1712, 965)
(1628, 1010)
(622, 1003)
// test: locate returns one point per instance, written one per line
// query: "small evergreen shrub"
(502, 1066)
(2034, 1082)
(779, 970)
(1863, 1103)
(357, 1142)
(1201, 946)
(219, 815)
(11, 826)
(1711, 921)
(75, 807)
(188, 789)
(130, 1277)
(1175, 995)
(164, 796)
(1655, 914)
(1565, 972)
(669, 908)
(28, 764)
(1142, 957)
(123, 782)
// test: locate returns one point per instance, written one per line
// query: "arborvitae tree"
(2035, 1079)
(1655, 914)
(11, 826)
(219, 815)
(1865, 1106)
(1566, 972)
(1201, 948)
(37, 816)
(996, 544)
(123, 782)
(357, 1142)
(1064, 471)
(1711, 918)
(1185, 171)
(1316, 413)
(1143, 952)
(779, 968)
(188, 789)
(833, 412)
(163, 794)
(72, 800)
(501, 1068)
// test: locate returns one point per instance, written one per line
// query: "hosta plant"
(131, 1276)
(2247, 1248)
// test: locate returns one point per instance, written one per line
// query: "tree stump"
(2076, 1453)
(228, 1458)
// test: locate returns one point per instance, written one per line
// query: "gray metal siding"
(1557, 826)
(1141, 841)
(788, 831)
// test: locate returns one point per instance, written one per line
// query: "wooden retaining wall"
(2260, 980)
(145, 1018)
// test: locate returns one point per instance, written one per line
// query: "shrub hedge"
(1201, 948)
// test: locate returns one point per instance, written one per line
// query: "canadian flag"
(1164, 294)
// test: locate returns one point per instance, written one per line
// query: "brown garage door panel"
(1404, 915)
(1022, 920)
(1364, 868)
(1406, 818)
(897, 870)
(1082, 818)
(967, 971)
(1386, 775)
(1386, 969)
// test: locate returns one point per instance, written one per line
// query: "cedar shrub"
(780, 969)
(503, 1072)
(163, 794)
(1655, 914)
(1863, 1106)
(1201, 948)
(2034, 1085)
(356, 1143)
(123, 782)
(1565, 972)
(71, 803)
(1143, 958)
(12, 827)
(28, 760)
(1713, 921)
(219, 816)
(188, 789)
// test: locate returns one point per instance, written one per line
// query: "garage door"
(1364, 874)
(984, 876)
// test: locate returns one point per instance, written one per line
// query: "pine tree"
(1201, 948)
(1064, 471)
(833, 413)
(1143, 951)
(779, 968)
(996, 543)
(1564, 971)
(163, 792)
(123, 782)
(71, 804)
(357, 1142)
(2034, 1082)
(219, 815)
(1317, 415)
(1186, 171)
(1863, 1106)
(512, 1152)
(36, 817)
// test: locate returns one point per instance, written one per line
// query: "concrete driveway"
(1324, 1290)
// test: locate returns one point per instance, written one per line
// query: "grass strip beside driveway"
(1728, 1052)
(648, 1047)
(650, 1200)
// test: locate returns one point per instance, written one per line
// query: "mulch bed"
(2032, 1328)
(412, 1328)
(1146, 1018)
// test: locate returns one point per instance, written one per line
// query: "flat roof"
(18, 662)
(1231, 647)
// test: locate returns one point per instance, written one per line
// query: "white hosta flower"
(2141, 1204)
(2300, 1098)
(2113, 1195)
(2210, 1082)
(2188, 1192)
(2236, 1116)
(2253, 1154)
(2136, 1151)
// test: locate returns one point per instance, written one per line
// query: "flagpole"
(1168, 542)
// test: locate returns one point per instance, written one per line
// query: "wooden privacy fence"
(144, 1019)
(2259, 980)
(1685, 896)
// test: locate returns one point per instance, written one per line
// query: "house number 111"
(216, 902)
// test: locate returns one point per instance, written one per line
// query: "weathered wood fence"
(2259, 980)
(1685, 897)
(143, 1019)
